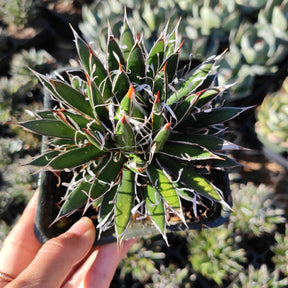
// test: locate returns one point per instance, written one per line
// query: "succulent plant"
(16, 12)
(139, 132)
(171, 278)
(261, 277)
(39, 60)
(215, 255)
(271, 125)
(280, 258)
(256, 211)
(141, 262)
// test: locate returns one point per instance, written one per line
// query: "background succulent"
(259, 278)
(209, 27)
(215, 255)
(280, 257)
(138, 135)
(257, 211)
(16, 12)
(271, 125)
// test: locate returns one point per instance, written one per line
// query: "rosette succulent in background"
(272, 120)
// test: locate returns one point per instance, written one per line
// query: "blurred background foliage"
(251, 249)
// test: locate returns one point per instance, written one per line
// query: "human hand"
(66, 261)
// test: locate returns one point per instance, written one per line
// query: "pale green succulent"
(256, 212)
(139, 133)
(280, 250)
(215, 255)
(22, 63)
(16, 12)
(260, 277)
(272, 124)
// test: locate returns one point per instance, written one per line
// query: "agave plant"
(139, 133)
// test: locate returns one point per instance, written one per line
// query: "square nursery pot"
(50, 195)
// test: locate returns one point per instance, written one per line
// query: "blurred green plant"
(280, 250)
(260, 277)
(19, 86)
(141, 262)
(214, 254)
(21, 65)
(272, 120)
(16, 12)
(256, 211)
(5, 99)
(172, 277)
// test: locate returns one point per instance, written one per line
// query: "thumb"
(58, 256)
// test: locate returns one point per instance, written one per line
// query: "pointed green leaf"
(207, 95)
(84, 51)
(190, 178)
(157, 118)
(164, 186)
(136, 64)
(193, 80)
(124, 135)
(72, 97)
(124, 203)
(127, 39)
(187, 151)
(155, 57)
(49, 127)
(114, 55)
(121, 84)
(156, 209)
(107, 206)
(131, 105)
(217, 115)
(45, 81)
(185, 107)
(76, 121)
(226, 162)
(99, 75)
(171, 41)
(161, 137)
(93, 187)
(44, 159)
(171, 66)
(96, 100)
(210, 142)
(75, 157)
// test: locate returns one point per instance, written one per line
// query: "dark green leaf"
(50, 127)
(75, 157)
(136, 64)
(190, 178)
(72, 97)
(187, 151)
(124, 202)
(44, 159)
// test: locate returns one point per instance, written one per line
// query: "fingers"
(21, 245)
(57, 257)
(107, 258)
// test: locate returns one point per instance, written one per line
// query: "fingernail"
(82, 226)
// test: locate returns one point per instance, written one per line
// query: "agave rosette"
(138, 132)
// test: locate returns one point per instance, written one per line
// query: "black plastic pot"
(50, 196)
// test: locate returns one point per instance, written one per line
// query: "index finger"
(21, 245)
